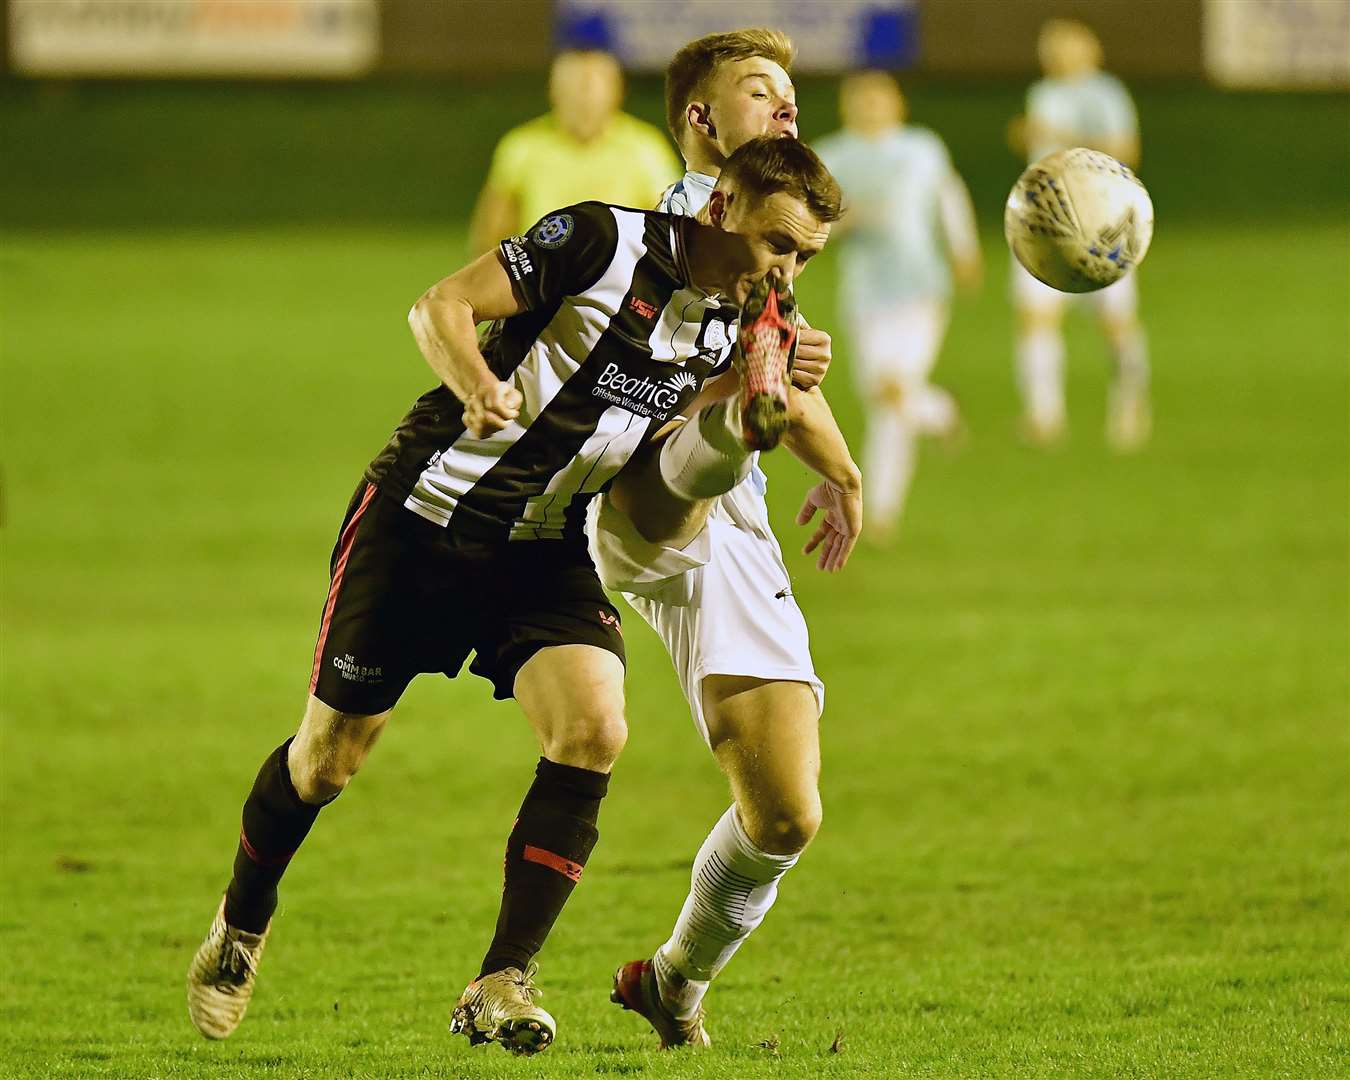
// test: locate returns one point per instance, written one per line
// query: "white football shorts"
(722, 606)
(1120, 300)
(897, 343)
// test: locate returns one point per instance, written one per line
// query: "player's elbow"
(441, 297)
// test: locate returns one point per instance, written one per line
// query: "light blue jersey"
(903, 203)
(688, 195)
(1084, 109)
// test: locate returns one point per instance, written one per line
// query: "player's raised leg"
(711, 454)
(765, 737)
(573, 698)
(299, 778)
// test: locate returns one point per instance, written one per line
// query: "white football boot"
(500, 1007)
(221, 976)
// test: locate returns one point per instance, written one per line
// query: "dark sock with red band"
(275, 823)
(545, 854)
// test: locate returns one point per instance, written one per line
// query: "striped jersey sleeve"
(564, 254)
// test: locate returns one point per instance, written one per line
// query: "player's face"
(1067, 49)
(870, 103)
(585, 89)
(780, 236)
(747, 99)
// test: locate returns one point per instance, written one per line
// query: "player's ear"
(698, 115)
(717, 206)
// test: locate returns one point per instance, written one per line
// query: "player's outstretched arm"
(444, 323)
(815, 440)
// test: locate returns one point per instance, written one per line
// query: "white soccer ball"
(1078, 220)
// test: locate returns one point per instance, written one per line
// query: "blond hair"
(694, 66)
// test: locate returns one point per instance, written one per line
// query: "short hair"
(771, 163)
(691, 69)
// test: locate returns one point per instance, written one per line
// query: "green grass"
(1085, 740)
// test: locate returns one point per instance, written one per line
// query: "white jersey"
(907, 210)
(744, 505)
(1084, 109)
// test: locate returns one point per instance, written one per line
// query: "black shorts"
(404, 598)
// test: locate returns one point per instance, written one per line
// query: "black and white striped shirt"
(614, 341)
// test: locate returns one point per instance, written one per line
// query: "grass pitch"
(1085, 739)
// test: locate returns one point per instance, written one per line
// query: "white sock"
(733, 886)
(707, 456)
(890, 452)
(1040, 375)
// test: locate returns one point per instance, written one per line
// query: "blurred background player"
(908, 229)
(1078, 104)
(584, 148)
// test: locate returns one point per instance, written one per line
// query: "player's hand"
(490, 408)
(813, 358)
(838, 531)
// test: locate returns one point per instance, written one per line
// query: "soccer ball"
(1078, 220)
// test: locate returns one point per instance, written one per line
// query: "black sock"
(548, 847)
(275, 823)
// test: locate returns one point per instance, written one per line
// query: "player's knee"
(589, 741)
(1120, 331)
(327, 752)
(788, 829)
(319, 778)
(890, 393)
(1032, 320)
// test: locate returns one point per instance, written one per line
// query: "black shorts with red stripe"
(404, 598)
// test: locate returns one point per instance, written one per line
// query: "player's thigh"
(378, 627)
(766, 736)
(1039, 307)
(1117, 307)
(572, 695)
(658, 514)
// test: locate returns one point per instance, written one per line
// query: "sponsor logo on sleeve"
(554, 231)
(517, 258)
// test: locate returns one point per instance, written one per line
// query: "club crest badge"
(554, 231)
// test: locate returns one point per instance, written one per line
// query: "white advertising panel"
(1278, 44)
(260, 38)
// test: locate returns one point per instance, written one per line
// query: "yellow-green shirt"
(544, 168)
